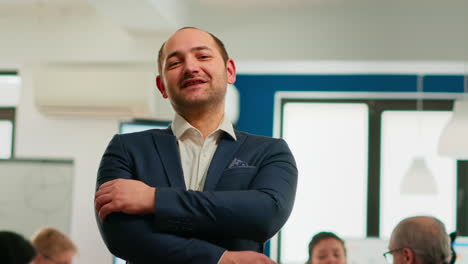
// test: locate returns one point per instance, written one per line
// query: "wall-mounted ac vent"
(98, 90)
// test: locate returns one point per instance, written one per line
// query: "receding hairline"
(423, 221)
(218, 43)
(426, 236)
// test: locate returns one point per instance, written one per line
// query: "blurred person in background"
(15, 249)
(53, 246)
(326, 248)
(419, 240)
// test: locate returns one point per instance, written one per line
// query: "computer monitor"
(141, 125)
(461, 247)
(119, 261)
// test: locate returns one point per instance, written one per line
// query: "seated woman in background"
(53, 246)
(326, 248)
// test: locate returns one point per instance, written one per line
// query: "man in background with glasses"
(419, 240)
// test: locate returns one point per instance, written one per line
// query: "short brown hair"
(320, 237)
(219, 43)
(51, 242)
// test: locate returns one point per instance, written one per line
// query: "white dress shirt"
(195, 152)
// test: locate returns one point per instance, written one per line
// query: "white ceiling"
(253, 29)
(149, 13)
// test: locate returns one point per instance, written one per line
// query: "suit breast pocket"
(236, 178)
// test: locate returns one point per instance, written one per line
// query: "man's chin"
(192, 103)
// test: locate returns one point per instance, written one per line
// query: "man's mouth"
(191, 82)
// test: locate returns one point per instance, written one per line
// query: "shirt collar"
(180, 126)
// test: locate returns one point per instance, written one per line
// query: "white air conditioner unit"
(110, 90)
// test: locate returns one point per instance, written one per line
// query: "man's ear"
(160, 85)
(231, 71)
(408, 256)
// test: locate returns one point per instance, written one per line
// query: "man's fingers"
(108, 184)
(101, 200)
(268, 260)
(107, 209)
(101, 192)
(106, 187)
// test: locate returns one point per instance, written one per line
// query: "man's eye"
(204, 56)
(173, 63)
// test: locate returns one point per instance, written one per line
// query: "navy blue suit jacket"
(248, 196)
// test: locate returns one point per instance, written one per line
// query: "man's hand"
(245, 257)
(126, 196)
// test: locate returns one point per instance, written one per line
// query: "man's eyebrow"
(200, 48)
(177, 53)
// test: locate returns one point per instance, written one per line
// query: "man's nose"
(331, 260)
(191, 65)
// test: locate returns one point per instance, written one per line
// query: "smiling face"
(193, 73)
(329, 251)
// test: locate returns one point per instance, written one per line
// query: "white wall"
(344, 30)
(338, 30)
(82, 140)
(84, 38)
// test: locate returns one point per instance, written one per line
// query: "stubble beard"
(209, 101)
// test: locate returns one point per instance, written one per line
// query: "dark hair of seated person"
(15, 249)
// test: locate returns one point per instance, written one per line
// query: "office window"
(330, 144)
(407, 135)
(393, 133)
(6, 139)
(10, 84)
(9, 97)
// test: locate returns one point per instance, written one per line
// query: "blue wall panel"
(443, 84)
(257, 91)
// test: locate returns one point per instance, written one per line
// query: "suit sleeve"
(256, 213)
(132, 237)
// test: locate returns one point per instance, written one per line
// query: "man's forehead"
(188, 38)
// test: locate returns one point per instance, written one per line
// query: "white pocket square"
(237, 163)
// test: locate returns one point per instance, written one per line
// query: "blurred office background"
(362, 90)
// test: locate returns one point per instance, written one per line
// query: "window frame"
(8, 114)
(376, 107)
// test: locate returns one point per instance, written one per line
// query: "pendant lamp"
(418, 179)
(453, 141)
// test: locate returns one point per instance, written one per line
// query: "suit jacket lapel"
(166, 144)
(224, 154)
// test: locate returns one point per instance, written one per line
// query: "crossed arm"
(254, 214)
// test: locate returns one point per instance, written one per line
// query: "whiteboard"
(35, 193)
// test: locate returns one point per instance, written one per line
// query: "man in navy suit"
(199, 191)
